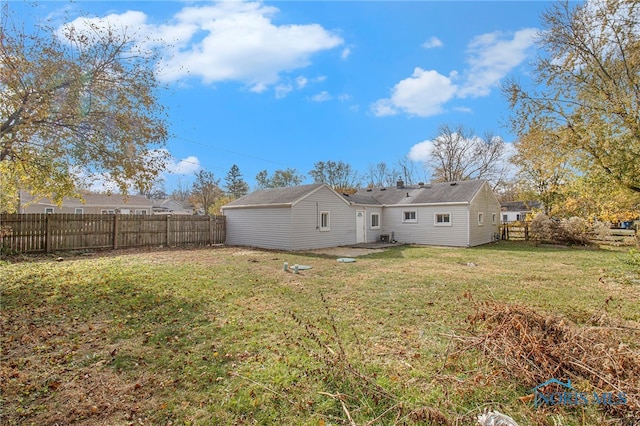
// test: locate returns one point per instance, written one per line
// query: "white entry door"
(360, 226)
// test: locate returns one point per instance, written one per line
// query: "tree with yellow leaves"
(76, 104)
(586, 87)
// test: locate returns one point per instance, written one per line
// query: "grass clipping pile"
(536, 348)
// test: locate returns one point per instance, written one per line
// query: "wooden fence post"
(210, 231)
(115, 231)
(168, 229)
(48, 241)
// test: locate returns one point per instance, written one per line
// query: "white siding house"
(460, 214)
(294, 218)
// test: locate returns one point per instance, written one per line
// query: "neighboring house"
(515, 211)
(460, 214)
(91, 203)
(170, 206)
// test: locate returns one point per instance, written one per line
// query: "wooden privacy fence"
(514, 231)
(34, 233)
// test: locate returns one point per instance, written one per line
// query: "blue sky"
(271, 85)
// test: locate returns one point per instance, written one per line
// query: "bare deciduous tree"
(457, 154)
(337, 174)
(205, 190)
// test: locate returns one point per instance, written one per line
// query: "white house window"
(79, 210)
(325, 221)
(442, 219)
(409, 216)
(494, 218)
(141, 211)
(505, 218)
(108, 212)
(48, 210)
(375, 221)
(481, 218)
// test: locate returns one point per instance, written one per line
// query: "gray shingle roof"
(445, 192)
(520, 205)
(275, 196)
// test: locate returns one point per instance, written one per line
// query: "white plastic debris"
(495, 418)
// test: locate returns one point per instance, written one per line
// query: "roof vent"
(421, 184)
(400, 184)
(407, 194)
(453, 183)
(369, 189)
(383, 189)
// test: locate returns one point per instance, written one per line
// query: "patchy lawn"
(225, 336)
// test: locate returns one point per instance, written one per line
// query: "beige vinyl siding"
(484, 202)
(306, 233)
(267, 227)
(424, 231)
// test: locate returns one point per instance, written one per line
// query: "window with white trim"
(325, 221)
(442, 219)
(494, 219)
(108, 212)
(375, 220)
(409, 216)
(480, 218)
(48, 210)
(79, 210)
(141, 211)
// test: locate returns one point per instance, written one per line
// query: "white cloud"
(186, 166)
(346, 52)
(226, 41)
(423, 94)
(323, 96)
(491, 57)
(238, 41)
(432, 42)
(421, 151)
(301, 81)
(282, 90)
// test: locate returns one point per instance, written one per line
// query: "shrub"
(574, 230)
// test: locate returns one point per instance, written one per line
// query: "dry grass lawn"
(225, 336)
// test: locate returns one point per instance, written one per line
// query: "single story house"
(171, 206)
(91, 203)
(460, 214)
(515, 211)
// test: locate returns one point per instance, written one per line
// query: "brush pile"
(599, 356)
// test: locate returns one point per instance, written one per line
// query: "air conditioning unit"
(385, 238)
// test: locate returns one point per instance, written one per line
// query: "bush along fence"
(46, 233)
(573, 231)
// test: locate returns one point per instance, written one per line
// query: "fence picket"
(37, 232)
